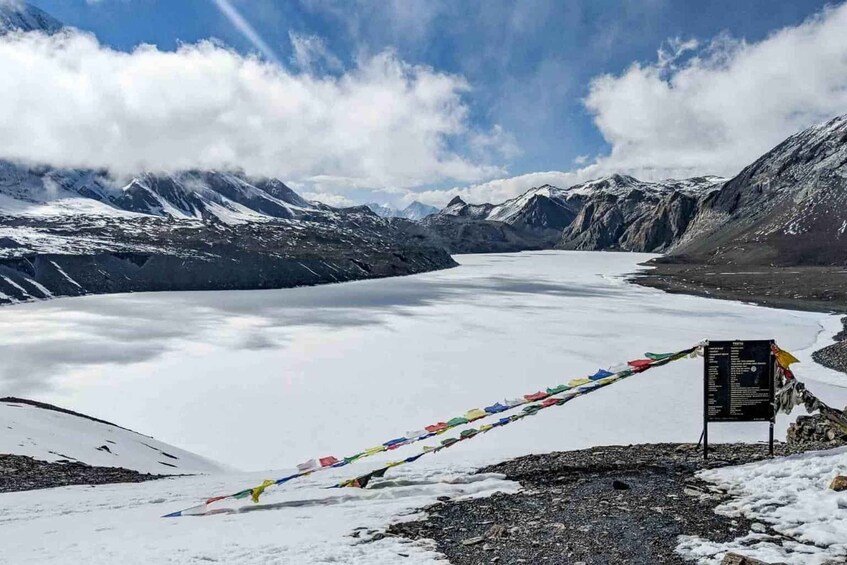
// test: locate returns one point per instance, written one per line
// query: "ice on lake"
(266, 379)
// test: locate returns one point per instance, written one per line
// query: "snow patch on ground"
(49, 435)
(309, 524)
(790, 495)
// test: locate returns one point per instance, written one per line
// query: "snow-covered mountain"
(19, 16)
(414, 211)
(48, 433)
(202, 195)
(71, 232)
(789, 207)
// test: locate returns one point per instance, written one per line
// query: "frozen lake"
(266, 379)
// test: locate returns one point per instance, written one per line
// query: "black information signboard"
(738, 383)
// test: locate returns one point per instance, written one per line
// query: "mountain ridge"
(609, 213)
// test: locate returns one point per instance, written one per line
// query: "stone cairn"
(816, 428)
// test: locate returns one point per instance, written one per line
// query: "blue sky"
(528, 66)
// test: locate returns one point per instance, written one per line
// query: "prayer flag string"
(532, 403)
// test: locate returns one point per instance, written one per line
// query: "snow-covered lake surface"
(267, 379)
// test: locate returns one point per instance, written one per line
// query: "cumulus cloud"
(727, 103)
(383, 122)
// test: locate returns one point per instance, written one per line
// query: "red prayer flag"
(640, 364)
(537, 396)
(436, 427)
(327, 461)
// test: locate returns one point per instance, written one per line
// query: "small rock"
(736, 559)
(839, 483)
(486, 547)
(497, 531)
(758, 528)
(620, 485)
(473, 541)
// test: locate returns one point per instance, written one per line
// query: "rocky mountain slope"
(612, 213)
(414, 211)
(73, 232)
(533, 220)
(622, 213)
(787, 208)
(776, 234)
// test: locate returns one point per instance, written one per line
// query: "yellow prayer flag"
(475, 414)
(257, 492)
(578, 382)
(785, 359)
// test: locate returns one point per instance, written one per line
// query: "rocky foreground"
(605, 505)
(19, 473)
(834, 356)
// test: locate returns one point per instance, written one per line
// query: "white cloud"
(77, 103)
(728, 103)
(703, 108)
(311, 51)
(499, 190)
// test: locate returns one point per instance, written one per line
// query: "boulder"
(839, 483)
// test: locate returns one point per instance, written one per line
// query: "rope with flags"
(530, 410)
(532, 403)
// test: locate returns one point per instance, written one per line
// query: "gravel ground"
(605, 505)
(834, 356)
(816, 289)
(18, 473)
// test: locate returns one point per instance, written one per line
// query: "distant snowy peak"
(19, 16)
(210, 195)
(414, 211)
(418, 211)
(382, 210)
(48, 433)
(202, 195)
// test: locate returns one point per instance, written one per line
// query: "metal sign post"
(738, 384)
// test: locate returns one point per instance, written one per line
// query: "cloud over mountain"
(382, 123)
